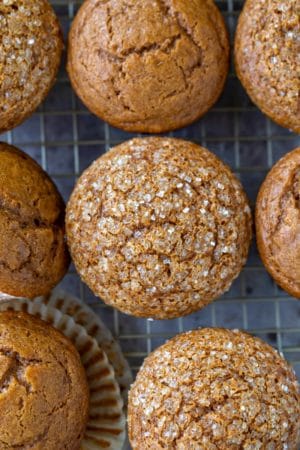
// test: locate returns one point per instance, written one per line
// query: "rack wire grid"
(65, 138)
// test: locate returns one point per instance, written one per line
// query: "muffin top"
(30, 52)
(158, 227)
(148, 65)
(214, 389)
(278, 222)
(268, 58)
(33, 254)
(44, 395)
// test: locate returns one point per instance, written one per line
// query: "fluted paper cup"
(106, 424)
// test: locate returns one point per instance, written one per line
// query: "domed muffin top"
(278, 222)
(267, 58)
(33, 254)
(148, 65)
(30, 52)
(44, 394)
(216, 389)
(158, 227)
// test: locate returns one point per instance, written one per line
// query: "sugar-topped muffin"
(30, 52)
(148, 65)
(215, 389)
(44, 396)
(158, 227)
(267, 58)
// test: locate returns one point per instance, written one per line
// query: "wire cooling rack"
(65, 138)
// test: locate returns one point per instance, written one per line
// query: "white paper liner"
(4, 296)
(85, 316)
(106, 424)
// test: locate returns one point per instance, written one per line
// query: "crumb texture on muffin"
(214, 389)
(44, 396)
(158, 227)
(30, 52)
(267, 58)
(278, 222)
(148, 65)
(33, 254)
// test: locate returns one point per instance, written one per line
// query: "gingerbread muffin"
(148, 65)
(30, 53)
(44, 396)
(278, 222)
(214, 389)
(267, 58)
(158, 227)
(33, 253)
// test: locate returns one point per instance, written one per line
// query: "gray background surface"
(65, 138)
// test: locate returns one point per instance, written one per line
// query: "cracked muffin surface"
(158, 227)
(44, 396)
(267, 56)
(214, 389)
(148, 65)
(33, 253)
(278, 222)
(30, 52)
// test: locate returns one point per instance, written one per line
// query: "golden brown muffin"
(278, 222)
(158, 227)
(106, 424)
(33, 253)
(148, 65)
(214, 389)
(44, 396)
(30, 52)
(267, 56)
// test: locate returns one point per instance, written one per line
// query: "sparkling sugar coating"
(267, 54)
(158, 227)
(30, 51)
(214, 389)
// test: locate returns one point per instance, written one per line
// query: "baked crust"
(214, 389)
(33, 252)
(267, 58)
(158, 227)
(30, 55)
(148, 66)
(278, 222)
(44, 396)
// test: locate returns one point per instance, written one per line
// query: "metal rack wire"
(64, 137)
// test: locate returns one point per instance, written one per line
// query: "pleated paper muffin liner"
(86, 317)
(106, 424)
